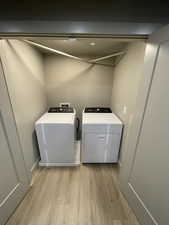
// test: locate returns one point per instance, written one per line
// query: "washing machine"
(56, 134)
(101, 136)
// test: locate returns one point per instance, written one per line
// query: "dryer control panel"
(97, 110)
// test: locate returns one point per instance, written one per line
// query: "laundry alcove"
(86, 72)
(43, 72)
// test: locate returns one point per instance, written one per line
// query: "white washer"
(101, 135)
(56, 134)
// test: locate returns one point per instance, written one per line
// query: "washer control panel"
(60, 110)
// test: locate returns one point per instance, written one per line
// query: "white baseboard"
(119, 163)
(142, 207)
(35, 165)
(59, 164)
(33, 171)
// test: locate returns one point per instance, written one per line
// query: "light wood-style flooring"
(85, 195)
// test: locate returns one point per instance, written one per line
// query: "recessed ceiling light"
(92, 43)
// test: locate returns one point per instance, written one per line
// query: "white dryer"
(101, 135)
(56, 134)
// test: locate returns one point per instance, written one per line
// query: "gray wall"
(126, 79)
(24, 72)
(79, 83)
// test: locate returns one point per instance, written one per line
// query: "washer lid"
(100, 118)
(57, 118)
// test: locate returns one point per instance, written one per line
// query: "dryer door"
(100, 148)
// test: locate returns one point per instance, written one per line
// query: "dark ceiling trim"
(54, 28)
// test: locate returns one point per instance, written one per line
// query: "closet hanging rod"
(53, 50)
(106, 57)
(93, 61)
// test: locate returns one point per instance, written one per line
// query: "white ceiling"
(82, 46)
